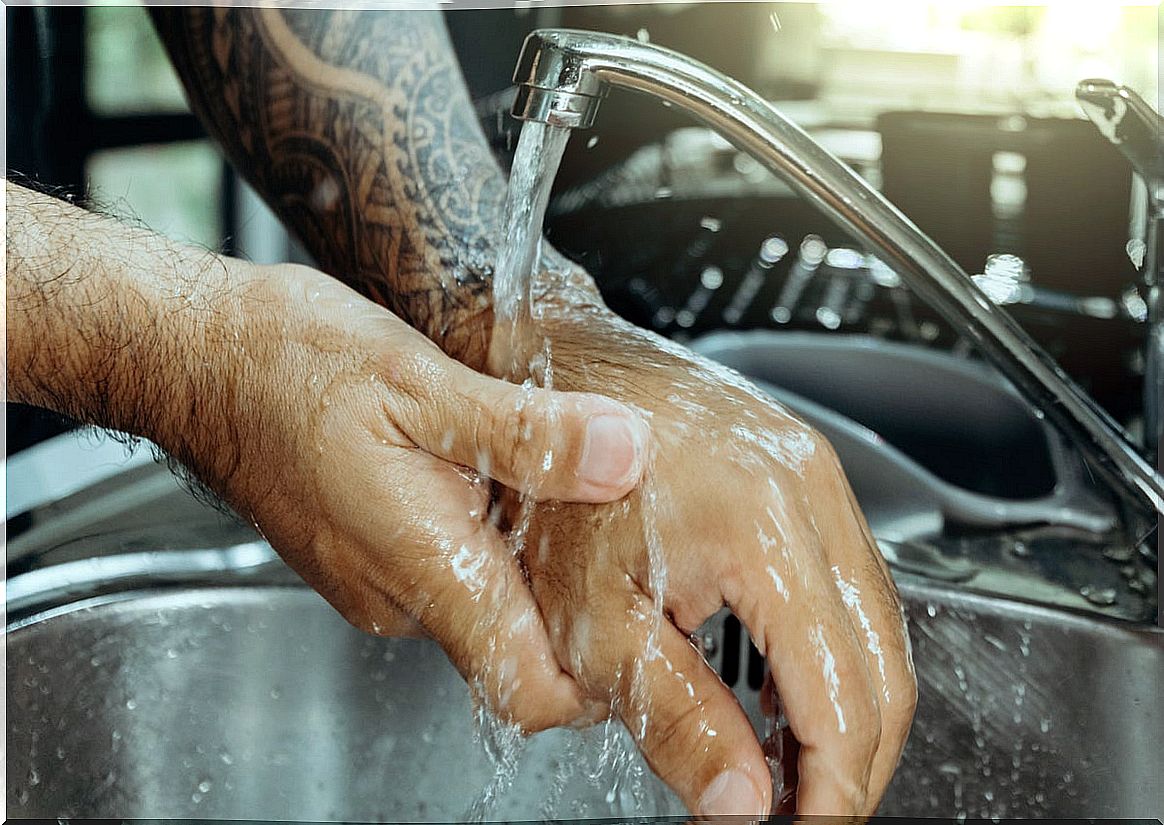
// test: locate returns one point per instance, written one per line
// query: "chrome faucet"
(563, 75)
(1133, 127)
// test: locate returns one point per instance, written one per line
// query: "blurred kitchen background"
(962, 112)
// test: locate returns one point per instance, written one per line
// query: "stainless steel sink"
(927, 439)
(257, 701)
(186, 672)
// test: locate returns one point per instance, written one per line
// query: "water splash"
(504, 745)
(521, 355)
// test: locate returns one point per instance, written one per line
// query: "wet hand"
(360, 451)
(743, 505)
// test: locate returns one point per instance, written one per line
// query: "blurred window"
(127, 67)
(970, 56)
(174, 189)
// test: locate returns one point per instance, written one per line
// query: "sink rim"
(912, 587)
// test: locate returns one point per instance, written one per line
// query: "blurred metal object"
(567, 63)
(260, 703)
(1006, 279)
(808, 259)
(1128, 122)
(927, 439)
(1132, 126)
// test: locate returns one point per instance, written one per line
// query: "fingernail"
(611, 453)
(730, 794)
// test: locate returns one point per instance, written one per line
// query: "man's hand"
(364, 453)
(357, 129)
(744, 505)
(348, 438)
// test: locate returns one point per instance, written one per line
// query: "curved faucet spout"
(563, 75)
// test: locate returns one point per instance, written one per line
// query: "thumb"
(569, 446)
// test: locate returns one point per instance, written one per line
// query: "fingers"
(491, 630)
(422, 551)
(578, 447)
(868, 594)
(687, 723)
(820, 671)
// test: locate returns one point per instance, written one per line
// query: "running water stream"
(606, 755)
(535, 164)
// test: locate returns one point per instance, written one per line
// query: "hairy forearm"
(109, 323)
(357, 129)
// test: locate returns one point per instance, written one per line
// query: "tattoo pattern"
(357, 128)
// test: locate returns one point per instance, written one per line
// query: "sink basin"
(257, 701)
(927, 439)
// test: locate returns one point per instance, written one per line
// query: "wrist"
(110, 324)
(562, 293)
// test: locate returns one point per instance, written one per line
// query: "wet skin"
(357, 129)
(343, 434)
(358, 449)
(744, 505)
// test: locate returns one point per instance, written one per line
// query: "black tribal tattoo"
(357, 129)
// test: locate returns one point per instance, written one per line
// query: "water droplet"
(1136, 249)
(204, 786)
(592, 142)
(643, 36)
(1101, 596)
(131, 704)
(711, 277)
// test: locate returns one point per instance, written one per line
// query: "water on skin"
(524, 357)
(755, 445)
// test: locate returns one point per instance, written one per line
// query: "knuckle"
(520, 707)
(532, 714)
(674, 732)
(505, 440)
(901, 711)
(517, 432)
(523, 693)
(867, 722)
(824, 454)
(484, 429)
(416, 372)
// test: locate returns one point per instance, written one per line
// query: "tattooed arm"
(358, 130)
